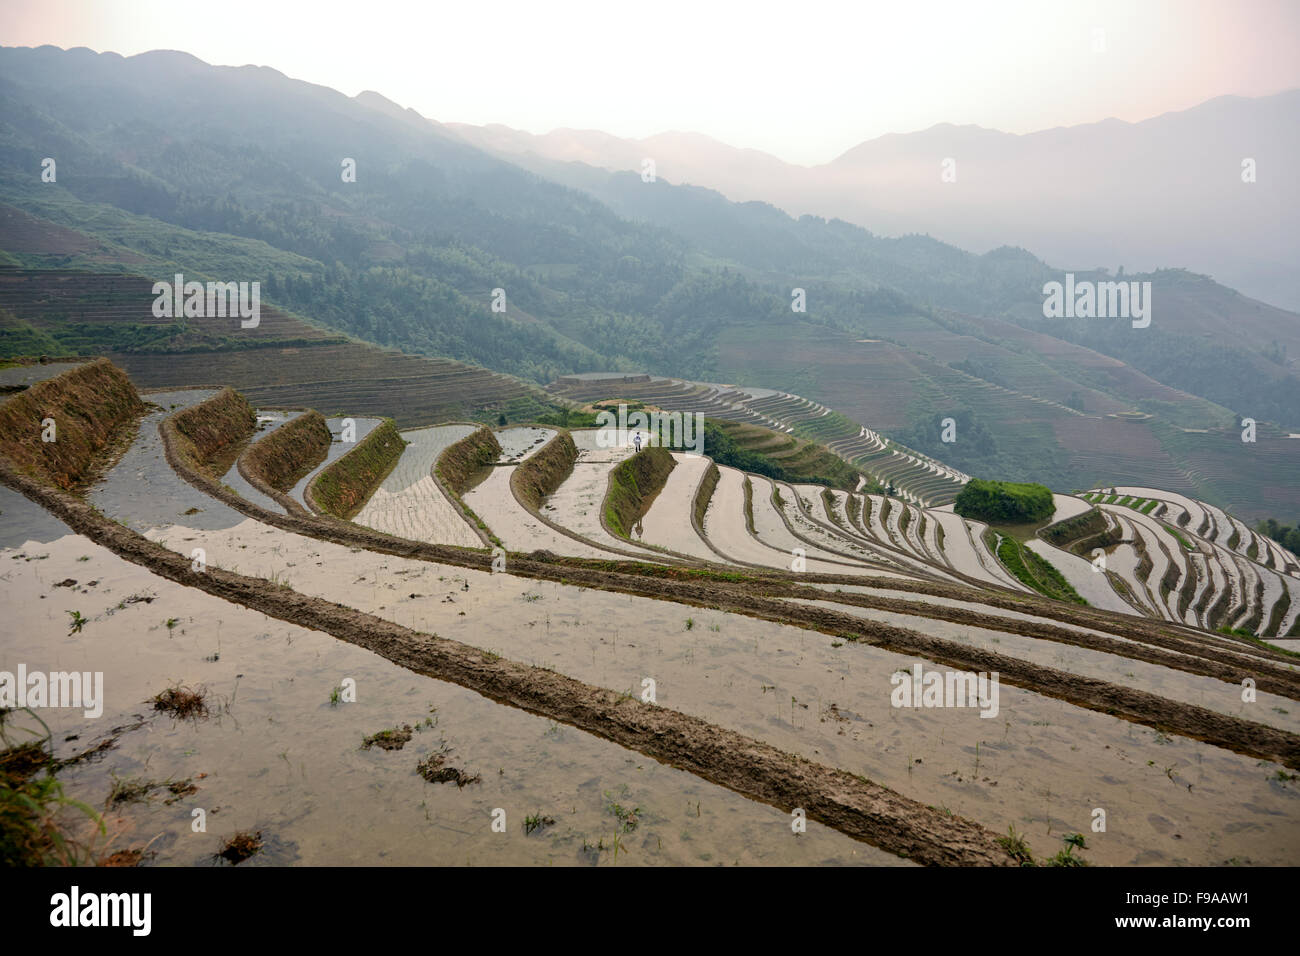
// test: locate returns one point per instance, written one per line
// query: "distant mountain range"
(166, 164)
(1165, 192)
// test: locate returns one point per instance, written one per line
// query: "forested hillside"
(166, 164)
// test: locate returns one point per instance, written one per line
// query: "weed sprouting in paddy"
(184, 703)
(628, 819)
(1065, 856)
(537, 822)
(1016, 847)
(78, 622)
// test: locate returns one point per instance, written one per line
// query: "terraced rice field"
(142, 490)
(493, 500)
(285, 362)
(578, 503)
(519, 444)
(1216, 581)
(409, 504)
(614, 640)
(639, 706)
(914, 475)
(668, 523)
(331, 802)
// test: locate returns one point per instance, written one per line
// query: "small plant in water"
(78, 622)
(1016, 847)
(538, 822)
(1065, 856)
(627, 819)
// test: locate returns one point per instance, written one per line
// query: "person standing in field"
(636, 441)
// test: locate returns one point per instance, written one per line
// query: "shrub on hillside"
(1004, 502)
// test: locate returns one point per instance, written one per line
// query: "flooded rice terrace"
(275, 755)
(331, 752)
(1041, 765)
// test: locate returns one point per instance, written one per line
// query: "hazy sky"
(804, 80)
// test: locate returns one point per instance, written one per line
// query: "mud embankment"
(1188, 658)
(463, 462)
(57, 429)
(279, 461)
(460, 467)
(703, 495)
(208, 435)
(542, 473)
(345, 486)
(1062, 534)
(633, 486)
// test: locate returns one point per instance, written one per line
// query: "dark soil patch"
(123, 858)
(240, 847)
(183, 703)
(393, 739)
(434, 768)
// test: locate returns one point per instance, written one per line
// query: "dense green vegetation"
(1004, 502)
(1035, 571)
(344, 487)
(1288, 536)
(975, 450)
